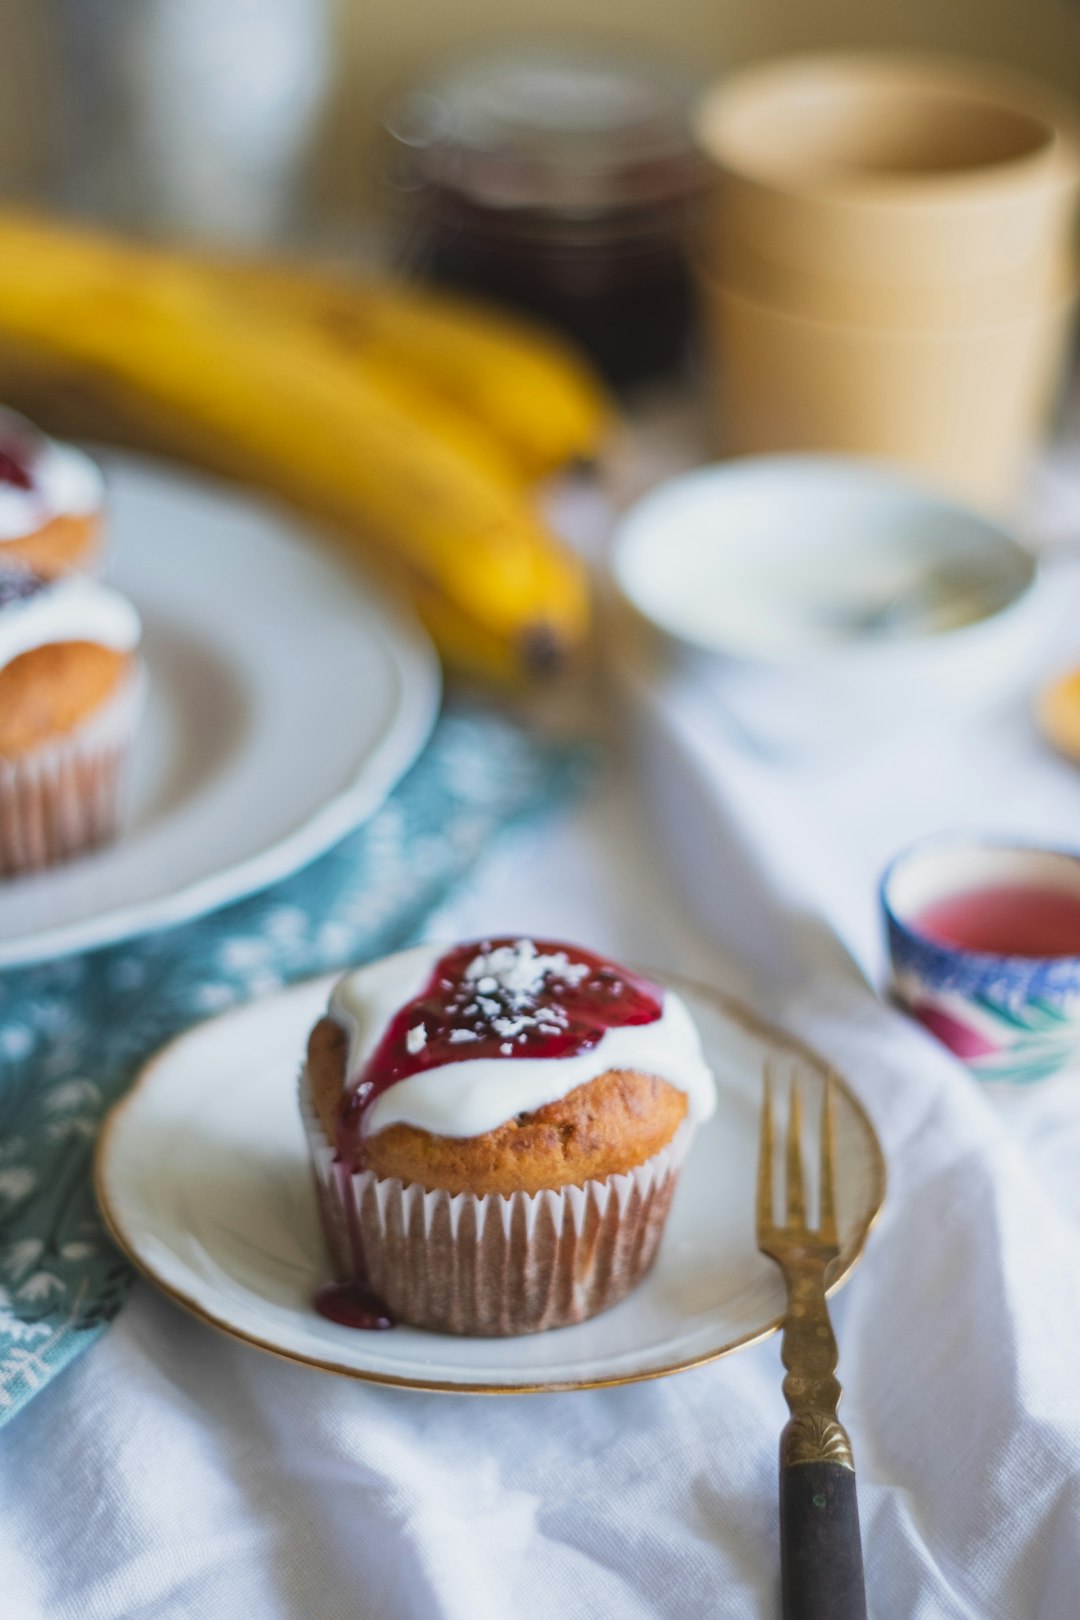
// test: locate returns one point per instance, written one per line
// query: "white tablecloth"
(172, 1473)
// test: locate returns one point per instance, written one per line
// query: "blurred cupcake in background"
(71, 687)
(52, 500)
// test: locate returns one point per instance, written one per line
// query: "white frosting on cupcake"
(63, 481)
(70, 608)
(474, 1095)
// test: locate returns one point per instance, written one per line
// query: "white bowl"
(826, 599)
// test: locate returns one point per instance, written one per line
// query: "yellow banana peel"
(525, 386)
(258, 392)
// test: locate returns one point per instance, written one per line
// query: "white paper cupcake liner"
(68, 795)
(492, 1265)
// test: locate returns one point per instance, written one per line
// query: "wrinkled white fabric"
(172, 1472)
(958, 1336)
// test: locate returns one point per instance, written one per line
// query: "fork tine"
(827, 1218)
(796, 1191)
(765, 1160)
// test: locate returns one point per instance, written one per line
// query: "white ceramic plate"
(203, 1177)
(286, 698)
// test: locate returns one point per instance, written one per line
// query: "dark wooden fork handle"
(820, 1549)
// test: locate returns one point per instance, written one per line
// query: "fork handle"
(820, 1551)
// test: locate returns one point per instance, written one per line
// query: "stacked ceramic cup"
(888, 265)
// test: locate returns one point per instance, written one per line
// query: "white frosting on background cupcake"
(70, 608)
(64, 480)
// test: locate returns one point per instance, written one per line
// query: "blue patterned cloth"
(74, 1032)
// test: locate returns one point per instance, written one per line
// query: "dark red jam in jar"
(500, 998)
(559, 182)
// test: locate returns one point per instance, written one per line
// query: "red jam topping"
(15, 466)
(501, 998)
(353, 1305)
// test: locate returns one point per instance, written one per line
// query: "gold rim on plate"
(729, 1005)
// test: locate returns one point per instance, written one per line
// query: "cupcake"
(70, 690)
(52, 500)
(496, 1131)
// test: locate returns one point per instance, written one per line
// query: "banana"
(260, 396)
(524, 385)
(452, 426)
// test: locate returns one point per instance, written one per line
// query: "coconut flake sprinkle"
(502, 992)
(511, 998)
(519, 970)
(415, 1039)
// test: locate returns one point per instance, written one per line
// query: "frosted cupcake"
(496, 1131)
(52, 500)
(70, 692)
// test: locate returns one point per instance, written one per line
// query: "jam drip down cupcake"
(496, 1132)
(70, 692)
(52, 500)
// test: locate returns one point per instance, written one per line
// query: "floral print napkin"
(74, 1032)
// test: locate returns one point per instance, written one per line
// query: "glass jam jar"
(559, 182)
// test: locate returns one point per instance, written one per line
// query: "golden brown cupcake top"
(603, 1128)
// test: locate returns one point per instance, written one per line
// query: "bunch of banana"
(411, 425)
(528, 389)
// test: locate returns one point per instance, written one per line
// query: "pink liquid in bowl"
(1005, 919)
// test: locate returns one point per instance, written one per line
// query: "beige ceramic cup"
(902, 305)
(889, 169)
(960, 406)
(889, 266)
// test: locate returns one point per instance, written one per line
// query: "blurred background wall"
(385, 43)
(375, 47)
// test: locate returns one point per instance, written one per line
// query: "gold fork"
(820, 1550)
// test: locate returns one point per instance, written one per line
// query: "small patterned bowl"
(1011, 1019)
